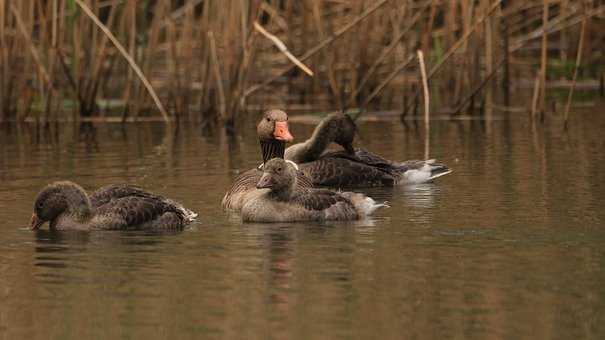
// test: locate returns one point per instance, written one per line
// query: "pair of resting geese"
(282, 189)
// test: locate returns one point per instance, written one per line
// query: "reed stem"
(427, 104)
(575, 71)
(126, 56)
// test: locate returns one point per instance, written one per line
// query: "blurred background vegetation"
(211, 61)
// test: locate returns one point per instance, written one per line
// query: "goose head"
(59, 199)
(279, 176)
(343, 130)
(336, 128)
(273, 134)
(274, 126)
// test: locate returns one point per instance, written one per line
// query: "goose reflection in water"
(422, 195)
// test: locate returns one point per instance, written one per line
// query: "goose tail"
(437, 170)
(364, 205)
(416, 172)
(188, 215)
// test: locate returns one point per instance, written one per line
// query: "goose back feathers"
(354, 167)
(285, 201)
(65, 205)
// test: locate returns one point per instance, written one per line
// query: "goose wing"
(246, 183)
(343, 172)
(318, 199)
(365, 157)
(418, 164)
(302, 181)
(114, 191)
(332, 205)
(412, 171)
(134, 211)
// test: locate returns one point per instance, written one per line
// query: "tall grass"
(207, 62)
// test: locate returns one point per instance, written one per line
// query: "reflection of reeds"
(211, 60)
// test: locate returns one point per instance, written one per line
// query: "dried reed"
(211, 60)
(575, 71)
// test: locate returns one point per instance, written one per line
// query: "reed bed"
(212, 61)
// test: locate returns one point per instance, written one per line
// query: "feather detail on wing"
(332, 205)
(113, 192)
(318, 199)
(343, 172)
(246, 183)
(412, 171)
(365, 157)
(134, 212)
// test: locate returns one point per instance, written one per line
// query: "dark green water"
(511, 245)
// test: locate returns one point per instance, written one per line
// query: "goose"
(280, 199)
(273, 134)
(67, 206)
(354, 166)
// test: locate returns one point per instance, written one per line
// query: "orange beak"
(281, 132)
(35, 222)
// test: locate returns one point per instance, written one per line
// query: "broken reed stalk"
(126, 56)
(131, 31)
(425, 89)
(383, 84)
(4, 98)
(283, 49)
(455, 47)
(575, 72)
(480, 86)
(464, 38)
(543, 59)
(489, 64)
(32, 47)
(327, 55)
(556, 25)
(534, 102)
(217, 77)
(387, 51)
(366, 59)
(318, 47)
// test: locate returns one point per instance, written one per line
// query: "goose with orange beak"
(273, 134)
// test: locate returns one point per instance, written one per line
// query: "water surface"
(510, 245)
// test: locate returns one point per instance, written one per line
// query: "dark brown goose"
(354, 167)
(273, 134)
(284, 201)
(66, 206)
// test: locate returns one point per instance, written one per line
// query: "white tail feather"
(441, 174)
(363, 204)
(188, 214)
(425, 173)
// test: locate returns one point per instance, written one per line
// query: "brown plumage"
(273, 133)
(354, 167)
(285, 201)
(65, 205)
